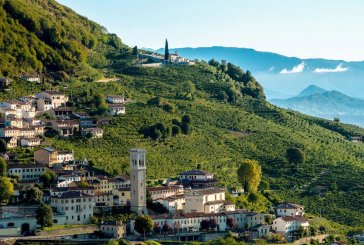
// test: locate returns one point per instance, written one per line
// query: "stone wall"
(86, 229)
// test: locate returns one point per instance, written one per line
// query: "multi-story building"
(160, 192)
(94, 132)
(115, 99)
(65, 127)
(77, 206)
(173, 203)
(121, 196)
(65, 156)
(65, 180)
(191, 222)
(197, 179)
(104, 200)
(102, 184)
(290, 209)
(26, 172)
(56, 98)
(210, 200)
(11, 142)
(30, 142)
(10, 132)
(62, 113)
(115, 229)
(85, 190)
(47, 156)
(288, 225)
(116, 109)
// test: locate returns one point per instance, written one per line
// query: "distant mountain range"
(319, 102)
(281, 75)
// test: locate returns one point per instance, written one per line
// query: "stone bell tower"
(138, 193)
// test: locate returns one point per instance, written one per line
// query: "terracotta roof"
(161, 188)
(195, 172)
(11, 166)
(75, 188)
(67, 122)
(72, 194)
(193, 215)
(52, 92)
(173, 198)
(209, 191)
(289, 206)
(115, 96)
(294, 218)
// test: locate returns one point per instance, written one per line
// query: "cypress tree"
(166, 51)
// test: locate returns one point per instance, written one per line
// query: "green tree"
(113, 242)
(186, 128)
(176, 130)
(102, 108)
(295, 156)
(166, 51)
(3, 168)
(44, 215)
(34, 194)
(187, 119)
(168, 107)
(6, 189)
(135, 50)
(47, 177)
(156, 101)
(249, 174)
(187, 89)
(3, 147)
(301, 231)
(214, 63)
(264, 185)
(143, 224)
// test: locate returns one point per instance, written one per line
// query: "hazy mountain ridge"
(311, 90)
(289, 74)
(318, 102)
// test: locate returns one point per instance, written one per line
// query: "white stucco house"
(290, 209)
(287, 225)
(76, 206)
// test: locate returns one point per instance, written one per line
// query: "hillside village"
(193, 206)
(183, 207)
(102, 143)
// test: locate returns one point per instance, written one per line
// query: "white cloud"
(296, 69)
(271, 69)
(338, 68)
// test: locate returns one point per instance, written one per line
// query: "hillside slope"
(44, 37)
(287, 75)
(226, 133)
(229, 125)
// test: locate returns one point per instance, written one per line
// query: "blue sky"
(303, 28)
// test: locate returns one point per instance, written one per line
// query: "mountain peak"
(311, 90)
